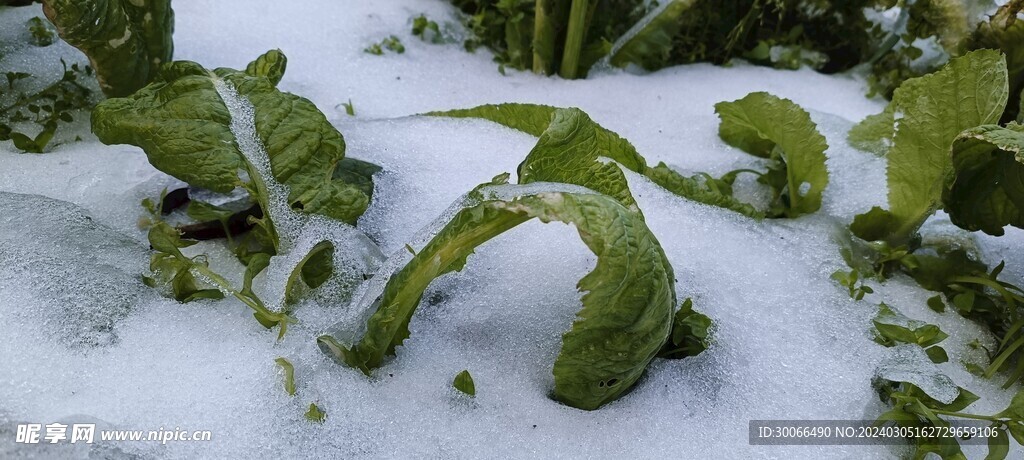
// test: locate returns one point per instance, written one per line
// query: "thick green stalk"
(574, 39)
(543, 43)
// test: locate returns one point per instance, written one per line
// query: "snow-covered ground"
(84, 341)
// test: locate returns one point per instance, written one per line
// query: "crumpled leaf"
(126, 40)
(969, 91)
(182, 124)
(569, 151)
(767, 126)
(1005, 32)
(987, 191)
(649, 42)
(569, 136)
(271, 64)
(627, 306)
(690, 336)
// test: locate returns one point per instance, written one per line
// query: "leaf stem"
(990, 418)
(574, 39)
(542, 38)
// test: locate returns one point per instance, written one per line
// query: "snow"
(85, 341)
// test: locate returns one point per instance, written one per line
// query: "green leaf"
(987, 190)
(205, 212)
(313, 270)
(937, 354)
(126, 40)
(184, 127)
(357, 173)
(1016, 429)
(694, 189)
(1015, 410)
(349, 108)
(936, 304)
(315, 414)
(464, 383)
(769, 127)
(532, 119)
(41, 31)
(969, 91)
(569, 151)
(964, 398)
(690, 333)
(1005, 32)
(998, 446)
(893, 327)
(649, 42)
(875, 132)
(627, 305)
(271, 64)
(164, 238)
(289, 375)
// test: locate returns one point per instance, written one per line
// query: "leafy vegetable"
(464, 383)
(56, 104)
(315, 414)
(766, 126)
(126, 40)
(191, 279)
(183, 126)
(289, 375)
(571, 148)
(427, 30)
(391, 43)
(987, 191)
(567, 36)
(627, 308)
(892, 328)
(649, 42)
(849, 281)
(912, 407)
(271, 64)
(1005, 32)
(42, 32)
(690, 333)
(970, 91)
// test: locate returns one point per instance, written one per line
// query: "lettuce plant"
(204, 127)
(769, 127)
(627, 306)
(183, 125)
(933, 110)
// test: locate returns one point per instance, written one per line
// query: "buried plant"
(203, 127)
(627, 306)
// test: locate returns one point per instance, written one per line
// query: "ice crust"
(789, 342)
